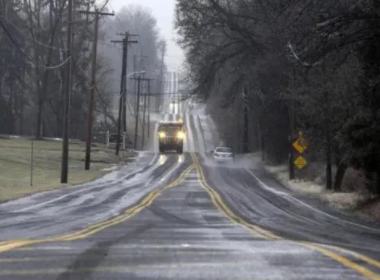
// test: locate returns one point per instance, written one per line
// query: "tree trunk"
(342, 167)
(328, 162)
(328, 146)
(245, 148)
(10, 108)
(42, 92)
(39, 118)
(376, 185)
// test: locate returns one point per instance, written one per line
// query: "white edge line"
(263, 185)
(84, 189)
(200, 138)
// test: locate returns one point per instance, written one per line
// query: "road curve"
(255, 196)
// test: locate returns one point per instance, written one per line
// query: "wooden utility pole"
(97, 14)
(122, 116)
(122, 88)
(161, 81)
(66, 102)
(139, 65)
(144, 118)
(146, 97)
(149, 97)
(137, 111)
(134, 84)
(128, 41)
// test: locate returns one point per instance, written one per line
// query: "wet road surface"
(183, 217)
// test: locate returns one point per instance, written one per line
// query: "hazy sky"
(163, 10)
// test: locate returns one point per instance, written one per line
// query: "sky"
(163, 10)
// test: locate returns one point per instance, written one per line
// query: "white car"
(223, 154)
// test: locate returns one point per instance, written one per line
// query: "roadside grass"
(353, 198)
(15, 165)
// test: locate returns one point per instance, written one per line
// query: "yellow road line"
(354, 254)
(342, 260)
(93, 229)
(222, 207)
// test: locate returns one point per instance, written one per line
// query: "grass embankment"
(353, 198)
(15, 165)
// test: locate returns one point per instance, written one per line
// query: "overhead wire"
(127, 101)
(26, 56)
(117, 18)
(105, 4)
(30, 38)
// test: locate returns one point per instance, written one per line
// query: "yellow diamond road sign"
(300, 162)
(300, 145)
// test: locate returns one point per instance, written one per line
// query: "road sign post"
(300, 162)
(300, 145)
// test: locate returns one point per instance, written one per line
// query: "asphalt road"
(183, 217)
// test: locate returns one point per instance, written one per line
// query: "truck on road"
(171, 136)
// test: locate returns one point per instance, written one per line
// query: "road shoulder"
(28, 167)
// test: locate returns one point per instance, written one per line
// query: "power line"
(117, 18)
(104, 5)
(26, 56)
(30, 38)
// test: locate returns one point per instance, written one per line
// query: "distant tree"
(136, 20)
(324, 55)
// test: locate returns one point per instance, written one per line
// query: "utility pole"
(128, 41)
(139, 80)
(122, 83)
(66, 102)
(134, 84)
(146, 107)
(140, 65)
(122, 116)
(149, 97)
(137, 112)
(160, 85)
(144, 118)
(97, 14)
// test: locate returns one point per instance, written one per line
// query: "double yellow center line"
(329, 251)
(332, 252)
(95, 228)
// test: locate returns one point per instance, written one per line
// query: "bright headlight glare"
(181, 135)
(162, 135)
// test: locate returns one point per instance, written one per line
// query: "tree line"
(312, 62)
(33, 38)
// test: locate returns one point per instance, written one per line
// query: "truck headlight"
(162, 135)
(180, 135)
